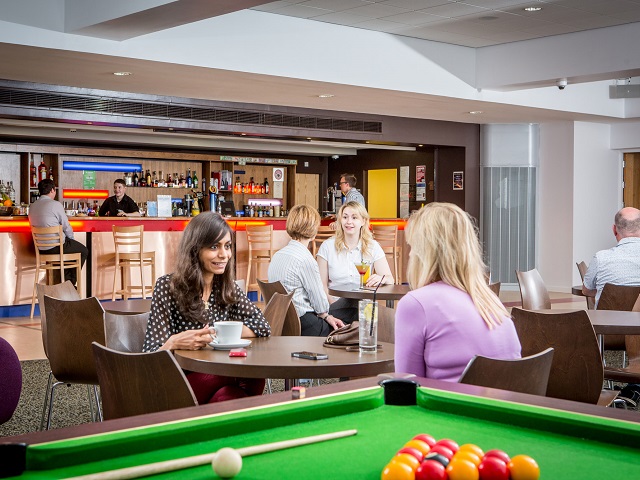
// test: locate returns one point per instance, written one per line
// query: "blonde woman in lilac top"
(450, 315)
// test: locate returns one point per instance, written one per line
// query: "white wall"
(555, 205)
(597, 192)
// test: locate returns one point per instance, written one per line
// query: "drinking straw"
(373, 309)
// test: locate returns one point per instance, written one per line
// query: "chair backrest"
(291, 325)
(525, 375)
(47, 237)
(324, 233)
(276, 312)
(71, 327)
(576, 372)
(385, 235)
(125, 333)
(533, 292)
(582, 270)
(139, 383)
(618, 297)
(129, 239)
(386, 323)
(10, 380)
(242, 283)
(61, 291)
(495, 288)
(260, 237)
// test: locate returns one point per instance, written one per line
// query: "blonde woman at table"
(200, 292)
(338, 255)
(450, 315)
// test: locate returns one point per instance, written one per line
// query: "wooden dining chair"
(139, 383)
(125, 332)
(387, 237)
(386, 324)
(533, 292)
(622, 298)
(276, 312)
(631, 372)
(291, 327)
(525, 375)
(582, 270)
(577, 370)
(324, 233)
(71, 327)
(495, 288)
(62, 291)
(50, 237)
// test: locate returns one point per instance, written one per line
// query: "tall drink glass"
(368, 326)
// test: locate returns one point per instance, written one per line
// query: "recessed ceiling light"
(421, 145)
(532, 9)
(476, 112)
(326, 95)
(122, 74)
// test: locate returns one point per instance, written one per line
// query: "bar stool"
(387, 237)
(260, 240)
(51, 237)
(130, 252)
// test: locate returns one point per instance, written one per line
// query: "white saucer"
(228, 346)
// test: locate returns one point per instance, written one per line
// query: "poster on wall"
(421, 192)
(404, 175)
(89, 180)
(421, 171)
(404, 209)
(458, 180)
(404, 192)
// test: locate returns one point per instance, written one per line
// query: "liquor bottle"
(155, 180)
(189, 179)
(42, 171)
(237, 188)
(251, 186)
(169, 180)
(148, 178)
(266, 186)
(135, 179)
(33, 176)
(195, 180)
(161, 179)
(183, 181)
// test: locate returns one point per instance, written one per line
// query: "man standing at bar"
(47, 212)
(619, 265)
(120, 204)
(349, 190)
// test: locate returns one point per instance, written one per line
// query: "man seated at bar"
(450, 315)
(200, 292)
(619, 265)
(337, 257)
(120, 204)
(295, 267)
(47, 212)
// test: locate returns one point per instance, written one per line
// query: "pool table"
(569, 440)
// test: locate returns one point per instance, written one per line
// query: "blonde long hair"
(366, 237)
(445, 247)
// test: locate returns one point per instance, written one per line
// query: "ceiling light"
(421, 145)
(122, 74)
(476, 112)
(326, 95)
(532, 9)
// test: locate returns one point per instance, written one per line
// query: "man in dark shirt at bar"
(119, 205)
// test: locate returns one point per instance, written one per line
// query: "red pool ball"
(450, 444)
(431, 470)
(442, 450)
(412, 451)
(493, 468)
(498, 454)
(428, 439)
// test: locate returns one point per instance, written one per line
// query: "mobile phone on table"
(310, 355)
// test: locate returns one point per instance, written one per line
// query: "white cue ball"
(227, 463)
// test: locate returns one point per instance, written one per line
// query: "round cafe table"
(270, 357)
(390, 293)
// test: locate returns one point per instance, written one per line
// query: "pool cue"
(197, 460)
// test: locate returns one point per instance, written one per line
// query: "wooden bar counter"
(162, 235)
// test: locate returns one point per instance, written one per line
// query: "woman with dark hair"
(200, 292)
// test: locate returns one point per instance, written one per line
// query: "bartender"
(119, 205)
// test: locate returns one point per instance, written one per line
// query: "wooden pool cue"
(197, 460)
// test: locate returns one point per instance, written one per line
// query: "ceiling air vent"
(116, 106)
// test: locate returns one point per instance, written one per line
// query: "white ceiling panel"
(454, 10)
(414, 18)
(375, 10)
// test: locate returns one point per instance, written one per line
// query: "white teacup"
(227, 333)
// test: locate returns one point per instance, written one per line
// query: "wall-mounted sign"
(458, 180)
(266, 161)
(421, 171)
(89, 179)
(278, 174)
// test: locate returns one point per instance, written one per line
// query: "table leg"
(390, 303)
(601, 346)
(291, 382)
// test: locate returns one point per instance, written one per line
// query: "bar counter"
(162, 235)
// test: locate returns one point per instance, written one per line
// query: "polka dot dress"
(166, 320)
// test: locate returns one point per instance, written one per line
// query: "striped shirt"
(354, 195)
(297, 270)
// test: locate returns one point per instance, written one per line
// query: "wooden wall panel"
(631, 176)
(307, 189)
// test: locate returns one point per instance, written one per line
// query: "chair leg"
(46, 401)
(98, 405)
(115, 279)
(33, 297)
(53, 389)
(248, 274)
(269, 386)
(144, 290)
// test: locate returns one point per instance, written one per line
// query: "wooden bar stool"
(51, 237)
(260, 240)
(130, 252)
(387, 237)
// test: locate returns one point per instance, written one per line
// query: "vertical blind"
(507, 215)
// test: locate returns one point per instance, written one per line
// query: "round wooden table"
(131, 307)
(577, 290)
(390, 293)
(270, 357)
